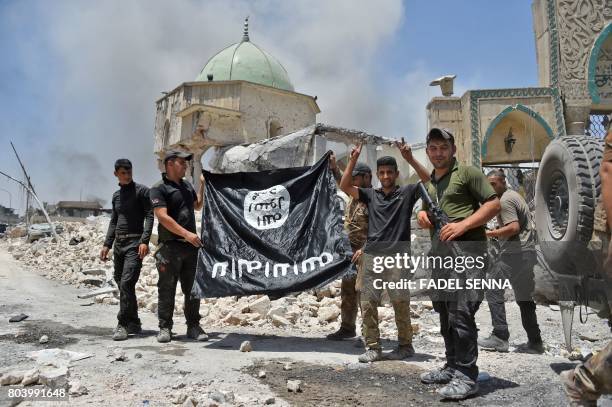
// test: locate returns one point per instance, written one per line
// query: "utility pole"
(42, 207)
(30, 188)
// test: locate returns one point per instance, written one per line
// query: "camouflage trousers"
(588, 381)
(371, 300)
(350, 302)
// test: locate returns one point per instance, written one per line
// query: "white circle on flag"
(267, 209)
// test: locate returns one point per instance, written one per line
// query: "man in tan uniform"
(589, 380)
(356, 225)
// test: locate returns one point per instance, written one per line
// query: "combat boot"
(196, 332)
(164, 335)
(401, 352)
(493, 343)
(460, 387)
(371, 355)
(120, 333)
(439, 376)
(342, 334)
(134, 328)
(534, 348)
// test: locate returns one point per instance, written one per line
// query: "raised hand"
(356, 151)
(404, 149)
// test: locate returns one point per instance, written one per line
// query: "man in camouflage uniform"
(589, 380)
(356, 225)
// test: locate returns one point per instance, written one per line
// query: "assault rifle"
(439, 218)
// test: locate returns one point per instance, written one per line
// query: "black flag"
(271, 232)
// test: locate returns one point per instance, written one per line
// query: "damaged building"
(242, 113)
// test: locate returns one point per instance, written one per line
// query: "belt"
(174, 240)
(127, 236)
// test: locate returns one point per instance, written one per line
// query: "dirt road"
(166, 374)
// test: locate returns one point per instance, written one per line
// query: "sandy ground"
(165, 374)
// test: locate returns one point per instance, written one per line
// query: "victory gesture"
(356, 151)
(404, 149)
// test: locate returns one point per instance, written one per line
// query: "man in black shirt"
(174, 201)
(131, 207)
(389, 213)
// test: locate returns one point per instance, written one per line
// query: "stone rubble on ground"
(246, 346)
(76, 388)
(294, 386)
(116, 354)
(80, 265)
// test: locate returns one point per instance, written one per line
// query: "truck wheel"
(567, 191)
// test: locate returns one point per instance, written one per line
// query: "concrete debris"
(260, 306)
(80, 265)
(43, 339)
(76, 388)
(76, 240)
(30, 377)
(279, 321)
(222, 396)
(10, 378)
(190, 402)
(208, 403)
(294, 386)
(246, 346)
(292, 150)
(18, 318)
(328, 314)
(261, 374)
(180, 398)
(117, 355)
(55, 378)
(57, 357)
(100, 292)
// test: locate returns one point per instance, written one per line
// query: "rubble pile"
(79, 264)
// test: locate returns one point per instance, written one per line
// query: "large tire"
(567, 191)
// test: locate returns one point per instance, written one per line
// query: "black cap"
(361, 168)
(177, 154)
(440, 133)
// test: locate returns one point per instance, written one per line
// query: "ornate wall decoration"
(579, 23)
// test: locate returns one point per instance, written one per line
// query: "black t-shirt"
(389, 217)
(179, 200)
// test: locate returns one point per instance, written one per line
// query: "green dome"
(245, 61)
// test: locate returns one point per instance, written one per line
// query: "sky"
(78, 80)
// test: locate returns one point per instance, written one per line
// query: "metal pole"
(42, 207)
